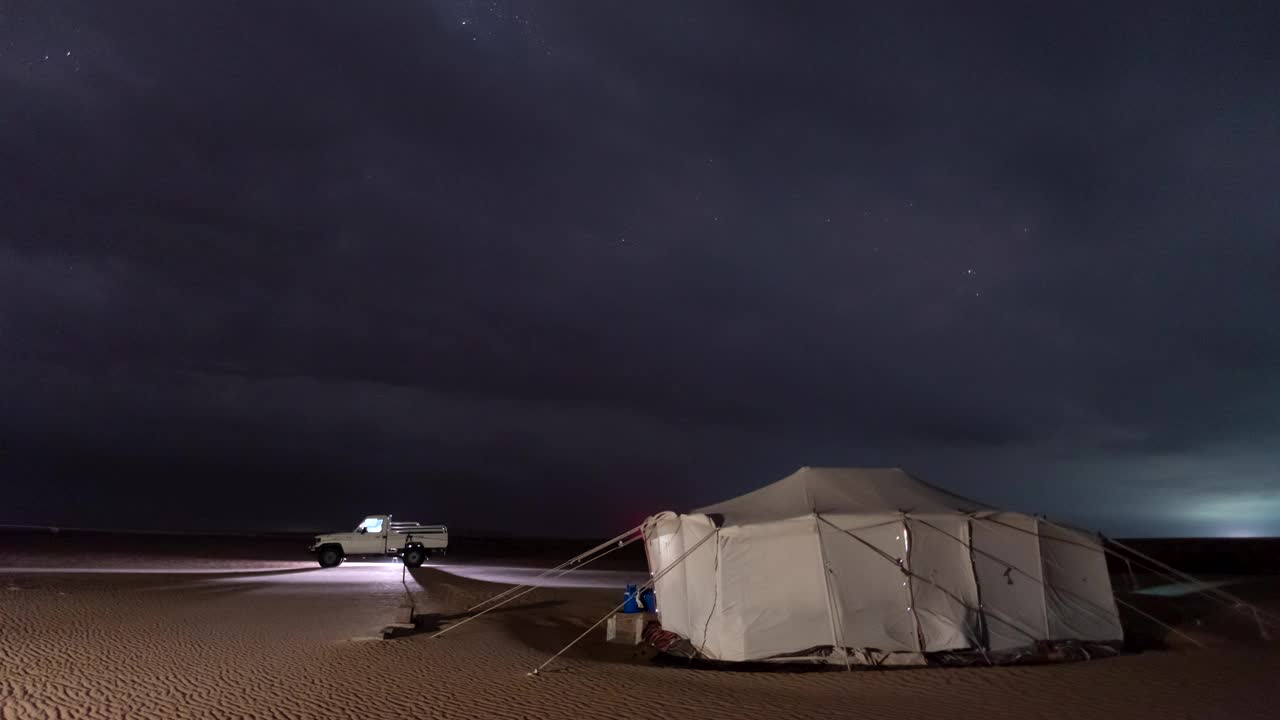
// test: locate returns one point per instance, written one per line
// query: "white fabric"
(838, 490)
(663, 544)
(1006, 555)
(872, 598)
(875, 563)
(1078, 600)
(773, 599)
(945, 594)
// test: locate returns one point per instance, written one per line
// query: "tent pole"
(715, 599)
(911, 588)
(984, 633)
(1044, 586)
(648, 559)
(837, 639)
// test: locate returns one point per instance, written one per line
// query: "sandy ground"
(163, 637)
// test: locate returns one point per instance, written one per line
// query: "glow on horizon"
(1239, 532)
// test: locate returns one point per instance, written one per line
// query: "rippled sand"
(272, 644)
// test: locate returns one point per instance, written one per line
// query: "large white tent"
(873, 566)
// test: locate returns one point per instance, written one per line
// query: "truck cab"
(378, 535)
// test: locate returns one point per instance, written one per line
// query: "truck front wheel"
(414, 557)
(329, 556)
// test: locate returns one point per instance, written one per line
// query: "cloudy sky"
(553, 266)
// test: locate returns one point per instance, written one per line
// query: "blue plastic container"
(632, 604)
(649, 600)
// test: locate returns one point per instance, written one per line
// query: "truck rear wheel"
(415, 556)
(329, 556)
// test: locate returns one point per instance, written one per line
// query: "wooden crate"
(627, 628)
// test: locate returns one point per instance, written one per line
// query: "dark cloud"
(507, 265)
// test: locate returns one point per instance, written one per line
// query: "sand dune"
(276, 643)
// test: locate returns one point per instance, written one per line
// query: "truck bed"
(428, 535)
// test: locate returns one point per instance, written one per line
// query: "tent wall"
(990, 580)
(687, 592)
(1006, 558)
(774, 598)
(1078, 596)
(702, 578)
(665, 544)
(872, 599)
(943, 586)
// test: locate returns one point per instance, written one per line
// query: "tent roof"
(839, 490)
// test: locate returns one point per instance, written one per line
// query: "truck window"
(373, 525)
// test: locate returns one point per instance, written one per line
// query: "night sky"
(550, 267)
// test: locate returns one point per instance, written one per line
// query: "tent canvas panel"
(942, 582)
(665, 545)
(1006, 557)
(869, 589)
(1078, 595)
(773, 591)
(701, 583)
(688, 588)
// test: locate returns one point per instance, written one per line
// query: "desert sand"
(163, 636)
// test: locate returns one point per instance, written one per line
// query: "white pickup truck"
(377, 535)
